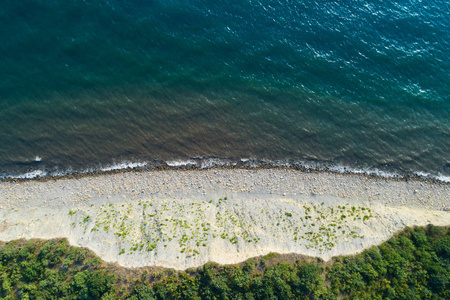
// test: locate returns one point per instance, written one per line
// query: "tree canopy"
(415, 264)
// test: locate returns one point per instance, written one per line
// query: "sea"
(347, 86)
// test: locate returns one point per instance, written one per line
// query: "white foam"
(346, 169)
(124, 165)
(377, 172)
(443, 178)
(31, 174)
(439, 177)
(207, 163)
(179, 163)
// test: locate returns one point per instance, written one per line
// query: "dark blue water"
(104, 84)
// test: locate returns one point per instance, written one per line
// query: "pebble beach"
(186, 218)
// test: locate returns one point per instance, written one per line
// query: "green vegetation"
(415, 264)
(50, 270)
(149, 226)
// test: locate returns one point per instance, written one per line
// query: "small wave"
(438, 177)
(209, 162)
(443, 178)
(31, 174)
(124, 165)
(250, 163)
(375, 172)
(181, 163)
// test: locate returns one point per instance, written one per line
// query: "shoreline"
(261, 166)
(147, 218)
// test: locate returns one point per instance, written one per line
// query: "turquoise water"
(356, 85)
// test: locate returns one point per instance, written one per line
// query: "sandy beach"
(181, 219)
